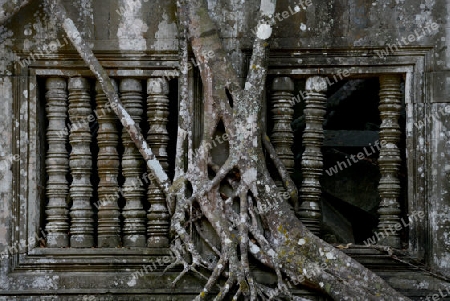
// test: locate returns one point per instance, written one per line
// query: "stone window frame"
(28, 188)
(412, 63)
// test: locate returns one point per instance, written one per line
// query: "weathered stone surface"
(108, 171)
(158, 217)
(312, 160)
(317, 34)
(389, 160)
(57, 164)
(134, 228)
(282, 109)
(81, 212)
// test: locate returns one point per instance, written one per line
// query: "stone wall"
(306, 34)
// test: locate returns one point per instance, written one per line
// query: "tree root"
(285, 177)
(177, 250)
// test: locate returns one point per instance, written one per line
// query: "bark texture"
(285, 245)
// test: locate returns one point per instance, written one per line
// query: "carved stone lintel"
(134, 214)
(81, 213)
(389, 160)
(312, 162)
(158, 137)
(282, 135)
(57, 164)
(108, 171)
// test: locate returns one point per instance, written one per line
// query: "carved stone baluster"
(108, 171)
(133, 212)
(158, 137)
(282, 135)
(389, 161)
(57, 164)
(81, 213)
(312, 163)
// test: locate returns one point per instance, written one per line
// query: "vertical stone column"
(57, 164)
(389, 160)
(312, 161)
(108, 171)
(81, 213)
(134, 224)
(282, 135)
(157, 138)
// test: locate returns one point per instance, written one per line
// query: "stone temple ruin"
(83, 219)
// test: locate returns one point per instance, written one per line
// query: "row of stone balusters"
(312, 161)
(283, 138)
(140, 228)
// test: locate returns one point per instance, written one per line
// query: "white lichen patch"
(264, 31)
(131, 28)
(45, 282)
(254, 249)
(249, 175)
(164, 35)
(301, 241)
(133, 238)
(267, 8)
(7, 55)
(132, 282)
(422, 285)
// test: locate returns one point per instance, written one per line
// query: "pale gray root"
(282, 171)
(283, 249)
(206, 239)
(230, 228)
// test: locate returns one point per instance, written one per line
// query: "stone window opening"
(99, 192)
(343, 200)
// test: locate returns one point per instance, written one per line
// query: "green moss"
(244, 286)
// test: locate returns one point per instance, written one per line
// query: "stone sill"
(76, 252)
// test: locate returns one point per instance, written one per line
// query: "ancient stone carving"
(282, 135)
(57, 164)
(134, 224)
(158, 137)
(108, 171)
(312, 161)
(389, 160)
(81, 213)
